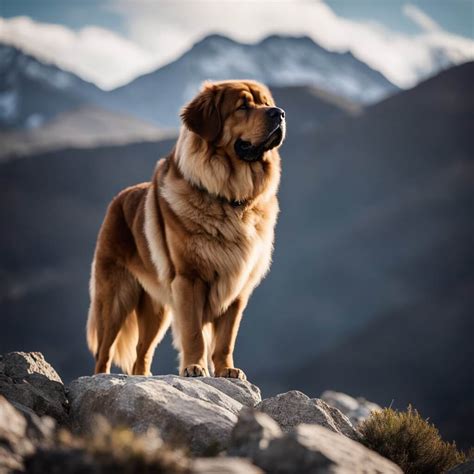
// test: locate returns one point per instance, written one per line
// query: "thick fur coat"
(189, 247)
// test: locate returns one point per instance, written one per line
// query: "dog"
(188, 248)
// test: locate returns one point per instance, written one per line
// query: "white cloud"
(420, 18)
(94, 53)
(160, 30)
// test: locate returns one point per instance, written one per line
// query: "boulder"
(252, 433)
(29, 381)
(356, 409)
(294, 408)
(20, 434)
(305, 449)
(196, 412)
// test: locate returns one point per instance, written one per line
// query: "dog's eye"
(244, 106)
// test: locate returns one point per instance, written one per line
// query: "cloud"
(420, 18)
(93, 53)
(158, 31)
(169, 28)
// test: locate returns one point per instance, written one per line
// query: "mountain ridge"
(276, 60)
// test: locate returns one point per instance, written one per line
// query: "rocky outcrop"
(32, 385)
(303, 449)
(199, 413)
(294, 408)
(137, 424)
(356, 409)
(20, 433)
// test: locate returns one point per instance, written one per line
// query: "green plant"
(408, 440)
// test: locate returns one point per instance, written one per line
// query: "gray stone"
(464, 468)
(294, 408)
(19, 435)
(252, 433)
(220, 465)
(247, 394)
(310, 449)
(356, 409)
(28, 380)
(304, 449)
(13, 442)
(195, 412)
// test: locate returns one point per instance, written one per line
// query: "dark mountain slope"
(389, 243)
(308, 107)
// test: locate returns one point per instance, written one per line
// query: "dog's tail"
(123, 351)
(91, 331)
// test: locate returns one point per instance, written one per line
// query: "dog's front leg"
(188, 305)
(226, 327)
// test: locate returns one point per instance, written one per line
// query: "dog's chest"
(233, 259)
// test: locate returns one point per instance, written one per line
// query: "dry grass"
(108, 451)
(409, 441)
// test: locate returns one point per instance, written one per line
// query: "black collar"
(231, 202)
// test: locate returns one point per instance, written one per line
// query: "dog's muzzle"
(248, 152)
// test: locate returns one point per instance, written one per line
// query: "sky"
(110, 42)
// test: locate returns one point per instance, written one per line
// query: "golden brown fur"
(189, 247)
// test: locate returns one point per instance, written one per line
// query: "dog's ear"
(202, 115)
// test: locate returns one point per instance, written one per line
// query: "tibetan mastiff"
(189, 247)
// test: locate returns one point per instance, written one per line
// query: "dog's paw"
(194, 370)
(231, 373)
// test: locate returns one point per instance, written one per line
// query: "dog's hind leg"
(153, 322)
(114, 303)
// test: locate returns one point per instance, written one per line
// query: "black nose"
(276, 113)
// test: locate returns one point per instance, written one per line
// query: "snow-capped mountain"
(32, 92)
(276, 60)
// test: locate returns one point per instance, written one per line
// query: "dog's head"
(237, 117)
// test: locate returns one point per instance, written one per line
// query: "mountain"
(84, 127)
(375, 231)
(32, 92)
(419, 354)
(312, 107)
(276, 60)
(384, 264)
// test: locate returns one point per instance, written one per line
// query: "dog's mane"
(209, 168)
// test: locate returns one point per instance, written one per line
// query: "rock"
(294, 408)
(197, 412)
(222, 465)
(315, 449)
(356, 409)
(303, 449)
(247, 394)
(13, 442)
(29, 381)
(19, 435)
(252, 433)
(464, 468)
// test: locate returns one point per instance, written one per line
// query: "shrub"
(108, 451)
(409, 441)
